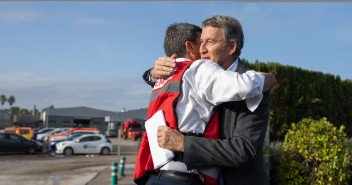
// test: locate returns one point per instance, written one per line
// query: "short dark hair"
(176, 35)
(232, 30)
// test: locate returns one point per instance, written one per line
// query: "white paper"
(160, 156)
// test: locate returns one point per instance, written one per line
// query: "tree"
(3, 99)
(11, 100)
(46, 108)
(24, 111)
(15, 110)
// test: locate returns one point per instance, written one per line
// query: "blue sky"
(93, 53)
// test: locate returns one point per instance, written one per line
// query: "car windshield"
(10, 131)
(44, 130)
(135, 126)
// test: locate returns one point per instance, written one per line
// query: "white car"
(42, 133)
(44, 137)
(85, 144)
(75, 132)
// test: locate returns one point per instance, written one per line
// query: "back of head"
(232, 30)
(176, 35)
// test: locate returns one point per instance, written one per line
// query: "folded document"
(160, 156)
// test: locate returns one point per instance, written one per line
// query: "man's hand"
(164, 67)
(269, 82)
(170, 139)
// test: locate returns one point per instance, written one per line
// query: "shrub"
(315, 152)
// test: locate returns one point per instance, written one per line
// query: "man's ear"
(232, 47)
(188, 46)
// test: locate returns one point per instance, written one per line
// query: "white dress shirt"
(205, 85)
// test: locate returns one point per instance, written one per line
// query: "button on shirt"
(205, 85)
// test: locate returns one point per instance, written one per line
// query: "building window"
(52, 121)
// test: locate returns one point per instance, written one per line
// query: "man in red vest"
(204, 78)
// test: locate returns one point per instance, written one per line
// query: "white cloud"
(92, 21)
(18, 16)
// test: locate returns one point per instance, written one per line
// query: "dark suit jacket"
(239, 151)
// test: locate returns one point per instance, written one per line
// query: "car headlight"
(61, 144)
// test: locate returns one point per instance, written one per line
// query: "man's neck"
(229, 62)
(233, 66)
(188, 56)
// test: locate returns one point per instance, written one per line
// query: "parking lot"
(48, 169)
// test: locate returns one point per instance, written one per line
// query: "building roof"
(80, 112)
(87, 113)
(139, 114)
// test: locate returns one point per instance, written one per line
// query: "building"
(28, 121)
(5, 119)
(5, 115)
(88, 117)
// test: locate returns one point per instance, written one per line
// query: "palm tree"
(11, 100)
(3, 100)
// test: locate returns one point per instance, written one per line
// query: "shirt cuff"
(151, 79)
(253, 103)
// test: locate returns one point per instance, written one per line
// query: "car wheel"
(105, 151)
(31, 150)
(68, 151)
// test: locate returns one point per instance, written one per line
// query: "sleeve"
(216, 85)
(240, 149)
(148, 79)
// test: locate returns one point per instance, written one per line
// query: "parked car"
(26, 132)
(52, 144)
(52, 137)
(45, 136)
(41, 132)
(10, 142)
(75, 132)
(85, 144)
(70, 136)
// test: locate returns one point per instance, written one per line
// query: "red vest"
(164, 97)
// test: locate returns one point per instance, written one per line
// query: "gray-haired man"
(239, 151)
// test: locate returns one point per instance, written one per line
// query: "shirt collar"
(182, 59)
(233, 66)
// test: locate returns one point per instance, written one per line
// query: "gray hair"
(232, 30)
(176, 35)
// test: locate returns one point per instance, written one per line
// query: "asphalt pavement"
(73, 170)
(104, 177)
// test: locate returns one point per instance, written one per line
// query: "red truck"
(132, 129)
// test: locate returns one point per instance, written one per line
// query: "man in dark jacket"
(239, 151)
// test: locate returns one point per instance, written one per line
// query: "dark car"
(13, 143)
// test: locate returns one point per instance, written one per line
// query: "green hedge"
(302, 93)
(314, 152)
